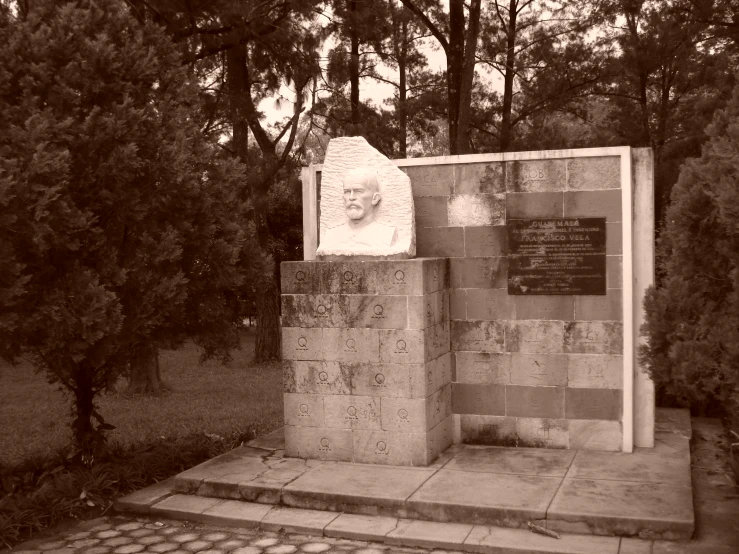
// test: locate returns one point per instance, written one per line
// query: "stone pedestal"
(368, 363)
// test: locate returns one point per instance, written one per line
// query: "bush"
(40, 493)
(692, 318)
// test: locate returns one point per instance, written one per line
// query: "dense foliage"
(120, 223)
(693, 317)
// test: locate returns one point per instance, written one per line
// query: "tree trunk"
(267, 346)
(354, 69)
(454, 61)
(144, 376)
(467, 76)
(505, 127)
(237, 87)
(82, 428)
(402, 93)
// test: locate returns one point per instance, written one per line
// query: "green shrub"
(39, 493)
(692, 318)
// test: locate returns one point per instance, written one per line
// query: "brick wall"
(528, 370)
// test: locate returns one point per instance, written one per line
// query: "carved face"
(360, 195)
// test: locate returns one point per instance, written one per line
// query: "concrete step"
(486, 539)
(646, 494)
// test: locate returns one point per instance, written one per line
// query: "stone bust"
(362, 196)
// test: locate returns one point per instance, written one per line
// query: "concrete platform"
(647, 494)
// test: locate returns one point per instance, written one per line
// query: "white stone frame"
(637, 204)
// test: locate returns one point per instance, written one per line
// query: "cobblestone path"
(121, 535)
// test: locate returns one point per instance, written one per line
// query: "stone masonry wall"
(368, 362)
(528, 370)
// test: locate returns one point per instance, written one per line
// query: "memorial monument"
(365, 330)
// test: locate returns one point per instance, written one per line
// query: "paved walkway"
(122, 535)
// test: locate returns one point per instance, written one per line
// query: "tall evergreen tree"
(119, 224)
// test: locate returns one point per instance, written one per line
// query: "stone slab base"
(647, 494)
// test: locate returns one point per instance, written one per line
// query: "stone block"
(390, 448)
(443, 306)
(319, 443)
(423, 311)
(479, 273)
(438, 406)
(430, 180)
(534, 337)
(387, 380)
(483, 367)
(593, 337)
(352, 412)
(546, 307)
(295, 520)
(535, 402)
(308, 310)
(593, 434)
(302, 344)
(428, 534)
(479, 336)
(595, 371)
(437, 340)
(360, 527)
(536, 176)
(522, 205)
(352, 345)
(599, 203)
(303, 410)
(594, 173)
(485, 241)
(480, 399)
(539, 369)
(404, 415)
(349, 277)
(614, 272)
(235, 513)
(593, 404)
(301, 277)
(488, 430)
(397, 277)
(431, 211)
(447, 242)
(314, 377)
(435, 275)
(443, 434)
(376, 312)
(476, 210)
(479, 178)
(594, 308)
(542, 433)
(500, 540)
(402, 346)
(489, 304)
(614, 239)
(181, 506)
(436, 374)
(458, 304)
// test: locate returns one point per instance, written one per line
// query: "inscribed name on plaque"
(557, 256)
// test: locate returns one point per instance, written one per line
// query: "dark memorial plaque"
(557, 256)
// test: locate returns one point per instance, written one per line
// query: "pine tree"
(692, 321)
(119, 224)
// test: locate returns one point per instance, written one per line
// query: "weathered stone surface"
(536, 402)
(390, 448)
(236, 513)
(644, 464)
(593, 404)
(141, 500)
(484, 538)
(595, 371)
(427, 534)
(485, 178)
(360, 527)
(600, 203)
(476, 210)
(523, 461)
(534, 205)
(431, 180)
(479, 336)
(316, 377)
(312, 310)
(534, 336)
(539, 369)
(596, 308)
(441, 241)
(497, 498)
(293, 520)
(485, 241)
(536, 176)
(337, 485)
(376, 312)
(647, 510)
(394, 210)
(352, 412)
(402, 346)
(488, 430)
(479, 273)
(542, 432)
(319, 443)
(181, 506)
(545, 307)
(593, 434)
(478, 398)
(593, 337)
(483, 367)
(302, 344)
(594, 173)
(351, 345)
(304, 410)
(386, 380)
(431, 211)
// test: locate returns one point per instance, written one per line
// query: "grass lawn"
(210, 398)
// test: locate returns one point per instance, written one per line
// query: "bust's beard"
(355, 213)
